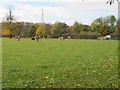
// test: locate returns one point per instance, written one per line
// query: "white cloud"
(89, 10)
(68, 12)
(54, 0)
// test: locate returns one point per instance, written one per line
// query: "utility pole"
(42, 19)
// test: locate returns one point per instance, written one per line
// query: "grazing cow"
(69, 37)
(10, 36)
(107, 37)
(32, 38)
(61, 38)
(100, 38)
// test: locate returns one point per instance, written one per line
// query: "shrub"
(86, 35)
(114, 36)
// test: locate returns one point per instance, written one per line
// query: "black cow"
(32, 38)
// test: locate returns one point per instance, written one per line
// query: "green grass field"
(53, 63)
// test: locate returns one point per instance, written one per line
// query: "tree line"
(99, 27)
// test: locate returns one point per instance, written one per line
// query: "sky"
(67, 11)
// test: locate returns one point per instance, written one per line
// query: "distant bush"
(114, 36)
(86, 35)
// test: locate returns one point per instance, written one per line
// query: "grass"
(53, 63)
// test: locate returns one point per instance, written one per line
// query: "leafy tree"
(104, 25)
(112, 19)
(69, 30)
(96, 24)
(32, 30)
(37, 25)
(111, 29)
(23, 28)
(20, 27)
(75, 28)
(117, 27)
(104, 30)
(41, 30)
(86, 28)
(5, 31)
(44, 30)
(106, 21)
(58, 29)
(11, 28)
(48, 29)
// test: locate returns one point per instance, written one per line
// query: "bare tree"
(10, 17)
(10, 24)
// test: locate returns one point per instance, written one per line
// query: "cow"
(100, 38)
(69, 37)
(32, 38)
(61, 38)
(107, 37)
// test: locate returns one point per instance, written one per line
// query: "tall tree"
(117, 27)
(5, 30)
(58, 29)
(48, 29)
(75, 28)
(32, 30)
(86, 28)
(104, 30)
(106, 20)
(44, 30)
(112, 23)
(41, 30)
(69, 30)
(96, 24)
(112, 20)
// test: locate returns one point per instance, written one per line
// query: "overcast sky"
(67, 11)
